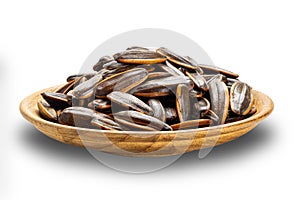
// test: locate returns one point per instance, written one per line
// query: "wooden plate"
(160, 143)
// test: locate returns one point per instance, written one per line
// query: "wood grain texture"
(145, 144)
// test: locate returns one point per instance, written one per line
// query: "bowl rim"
(28, 114)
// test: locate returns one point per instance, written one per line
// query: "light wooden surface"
(146, 144)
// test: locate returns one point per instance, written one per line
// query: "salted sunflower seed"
(219, 96)
(65, 88)
(241, 98)
(123, 68)
(57, 101)
(76, 116)
(137, 48)
(107, 73)
(216, 70)
(157, 75)
(46, 111)
(102, 61)
(158, 109)
(220, 77)
(76, 76)
(202, 106)
(175, 58)
(142, 119)
(132, 126)
(171, 69)
(86, 88)
(113, 65)
(121, 82)
(231, 81)
(148, 67)
(129, 101)
(103, 121)
(195, 93)
(154, 92)
(171, 114)
(140, 57)
(183, 102)
(198, 80)
(194, 63)
(157, 84)
(213, 116)
(100, 104)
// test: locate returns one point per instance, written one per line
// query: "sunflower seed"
(86, 88)
(158, 109)
(99, 104)
(103, 121)
(57, 101)
(140, 57)
(169, 82)
(129, 101)
(171, 115)
(76, 116)
(76, 76)
(154, 92)
(157, 75)
(216, 70)
(171, 69)
(137, 48)
(241, 98)
(121, 82)
(102, 61)
(65, 88)
(202, 106)
(219, 96)
(142, 119)
(183, 102)
(46, 111)
(174, 58)
(198, 80)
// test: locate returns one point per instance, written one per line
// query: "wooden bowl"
(145, 144)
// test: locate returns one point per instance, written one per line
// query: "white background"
(41, 43)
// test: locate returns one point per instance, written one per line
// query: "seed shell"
(140, 57)
(124, 82)
(219, 96)
(183, 102)
(216, 70)
(142, 119)
(241, 98)
(46, 111)
(175, 58)
(57, 101)
(129, 101)
(158, 109)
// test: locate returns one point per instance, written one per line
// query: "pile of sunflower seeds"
(148, 90)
